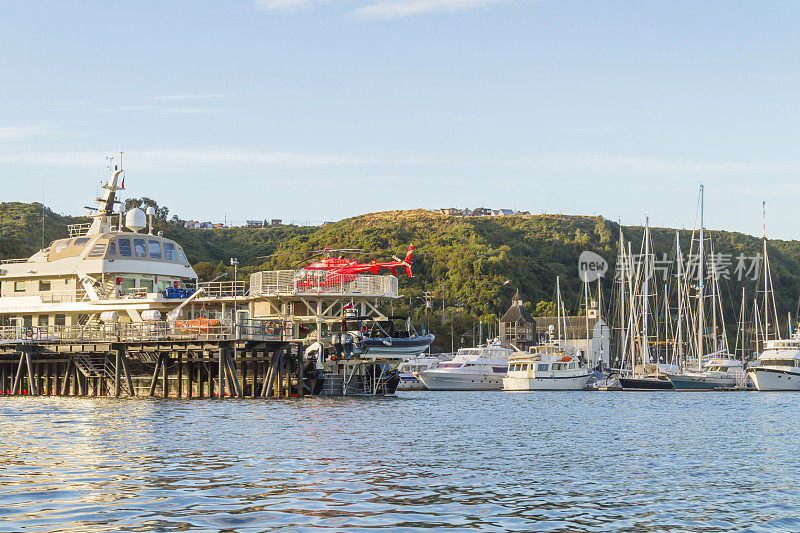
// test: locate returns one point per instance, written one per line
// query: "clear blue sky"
(318, 110)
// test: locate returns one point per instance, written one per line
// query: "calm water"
(495, 461)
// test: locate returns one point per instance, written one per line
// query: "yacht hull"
(645, 384)
(773, 379)
(394, 348)
(700, 382)
(409, 382)
(523, 384)
(460, 381)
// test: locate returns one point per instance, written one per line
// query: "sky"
(315, 110)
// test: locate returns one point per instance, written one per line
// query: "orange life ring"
(28, 331)
(566, 359)
(363, 328)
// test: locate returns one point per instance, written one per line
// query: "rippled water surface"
(495, 461)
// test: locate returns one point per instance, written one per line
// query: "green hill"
(473, 264)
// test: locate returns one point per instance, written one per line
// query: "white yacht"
(408, 381)
(778, 366)
(481, 368)
(547, 367)
(106, 271)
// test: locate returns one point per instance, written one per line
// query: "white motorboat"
(548, 367)
(778, 366)
(481, 368)
(408, 381)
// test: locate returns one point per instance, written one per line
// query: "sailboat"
(778, 366)
(718, 369)
(647, 375)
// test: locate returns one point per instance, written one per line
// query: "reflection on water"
(547, 461)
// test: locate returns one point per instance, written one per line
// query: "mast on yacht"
(700, 289)
(645, 295)
(558, 306)
(678, 351)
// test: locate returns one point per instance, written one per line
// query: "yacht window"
(181, 256)
(112, 248)
(146, 284)
(19, 286)
(127, 284)
(138, 248)
(61, 247)
(541, 368)
(169, 252)
(80, 242)
(154, 247)
(98, 250)
(44, 286)
(27, 320)
(124, 247)
(43, 321)
(61, 320)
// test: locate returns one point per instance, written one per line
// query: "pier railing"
(180, 330)
(287, 282)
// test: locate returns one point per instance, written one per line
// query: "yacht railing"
(62, 296)
(12, 261)
(187, 330)
(220, 289)
(287, 282)
(78, 230)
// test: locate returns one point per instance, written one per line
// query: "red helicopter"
(333, 271)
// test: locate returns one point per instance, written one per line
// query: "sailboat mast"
(679, 351)
(766, 270)
(558, 305)
(700, 291)
(645, 294)
(589, 353)
(623, 296)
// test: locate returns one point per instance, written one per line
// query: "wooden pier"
(177, 369)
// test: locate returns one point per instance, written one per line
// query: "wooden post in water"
(117, 365)
(165, 383)
(153, 383)
(180, 375)
(221, 363)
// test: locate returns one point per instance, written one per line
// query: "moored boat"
(548, 367)
(481, 368)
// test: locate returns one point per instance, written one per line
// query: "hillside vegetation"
(472, 265)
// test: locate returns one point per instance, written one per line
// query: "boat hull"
(460, 381)
(700, 382)
(396, 348)
(645, 384)
(409, 382)
(773, 379)
(524, 384)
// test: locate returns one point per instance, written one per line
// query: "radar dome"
(150, 211)
(135, 220)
